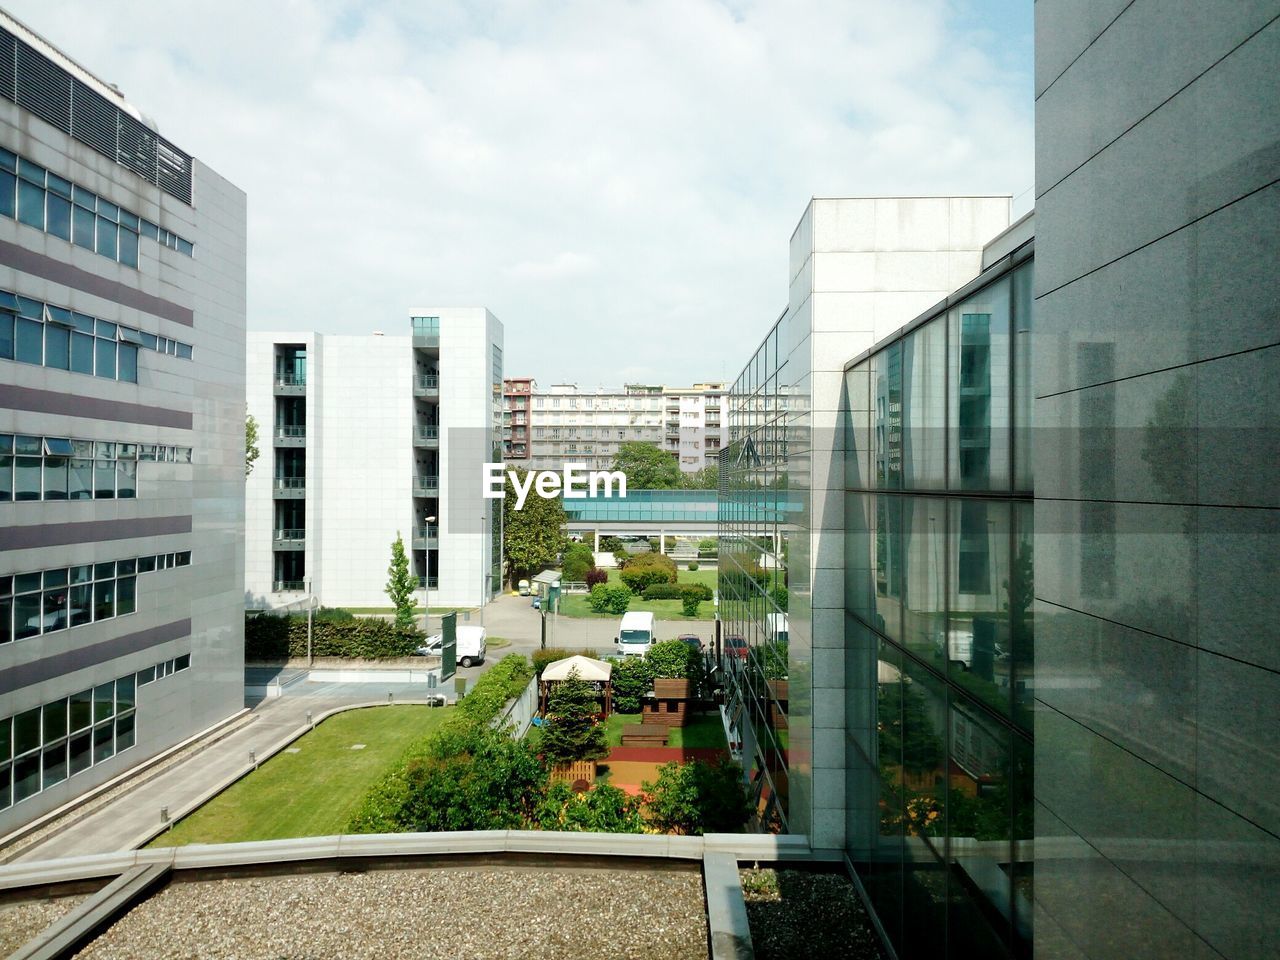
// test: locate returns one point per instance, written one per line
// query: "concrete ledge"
(63, 936)
(730, 933)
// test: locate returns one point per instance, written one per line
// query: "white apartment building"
(122, 320)
(588, 426)
(367, 437)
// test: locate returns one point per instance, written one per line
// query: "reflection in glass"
(979, 394)
(922, 445)
(924, 611)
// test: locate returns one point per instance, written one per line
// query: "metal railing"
(426, 381)
(288, 586)
(426, 485)
(291, 380)
(291, 533)
(291, 431)
(291, 483)
(428, 583)
(427, 432)
(426, 533)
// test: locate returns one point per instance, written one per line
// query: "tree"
(697, 798)
(708, 478)
(632, 679)
(532, 536)
(577, 561)
(571, 732)
(645, 569)
(647, 467)
(689, 604)
(675, 660)
(606, 599)
(602, 809)
(251, 451)
(401, 583)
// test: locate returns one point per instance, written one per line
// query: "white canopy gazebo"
(592, 671)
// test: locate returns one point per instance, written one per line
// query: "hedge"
(380, 810)
(541, 658)
(677, 591)
(268, 637)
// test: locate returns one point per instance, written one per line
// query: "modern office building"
(588, 426)
(1049, 722)
(859, 269)
(122, 319)
(367, 437)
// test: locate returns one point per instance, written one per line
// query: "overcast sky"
(617, 181)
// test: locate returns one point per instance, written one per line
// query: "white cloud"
(621, 177)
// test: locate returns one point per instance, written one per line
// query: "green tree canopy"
(708, 478)
(571, 732)
(647, 467)
(251, 451)
(401, 583)
(532, 537)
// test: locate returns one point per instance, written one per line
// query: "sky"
(617, 180)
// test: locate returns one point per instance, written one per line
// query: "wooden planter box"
(665, 689)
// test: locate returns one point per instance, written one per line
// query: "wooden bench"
(644, 735)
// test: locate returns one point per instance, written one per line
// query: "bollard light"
(164, 814)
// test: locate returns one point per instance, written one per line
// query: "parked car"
(635, 634)
(470, 645)
(432, 647)
(523, 588)
(735, 646)
(692, 639)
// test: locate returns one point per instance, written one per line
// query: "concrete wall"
(1157, 374)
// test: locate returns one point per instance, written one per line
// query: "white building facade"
(122, 319)
(364, 438)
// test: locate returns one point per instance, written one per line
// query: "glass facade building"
(940, 635)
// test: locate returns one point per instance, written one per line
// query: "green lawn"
(311, 793)
(706, 730)
(576, 605)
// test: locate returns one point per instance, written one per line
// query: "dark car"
(736, 647)
(692, 639)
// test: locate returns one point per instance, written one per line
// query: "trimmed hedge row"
(269, 637)
(380, 810)
(677, 591)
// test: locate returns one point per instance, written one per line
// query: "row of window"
(426, 326)
(39, 198)
(46, 601)
(45, 745)
(58, 468)
(46, 335)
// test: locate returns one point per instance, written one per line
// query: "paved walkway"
(124, 823)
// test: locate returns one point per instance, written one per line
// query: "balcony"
(426, 538)
(428, 583)
(290, 488)
(289, 538)
(426, 486)
(290, 385)
(288, 586)
(426, 385)
(429, 341)
(291, 435)
(427, 436)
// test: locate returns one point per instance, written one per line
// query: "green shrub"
(781, 597)
(646, 569)
(689, 605)
(366, 638)
(676, 591)
(331, 614)
(541, 658)
(697, 798)
(675, 660)
(709, 544)
(693, 565)
(596, 575)
(597, 597)
(610, 544)
(606, 599)
(577, 560)
(632, 679)
(604, 809)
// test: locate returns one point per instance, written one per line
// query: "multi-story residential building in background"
(367, 437)
(516, 403)
(122, 323)
(588, 426)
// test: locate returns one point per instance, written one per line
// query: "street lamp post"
(426, 580)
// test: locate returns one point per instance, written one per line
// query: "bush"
(569, 730)
(689, 605)
(693, 565)
(331, 614)
(632, 679)
(575, 563)
(596, 575)
(781, 597)
(610, 544)
(603, 809)
(647, 569)
(541, 658)
(675, 660)
(709, 544)
(697, 798)
(606, 599)
(269, 637)
(676, 591)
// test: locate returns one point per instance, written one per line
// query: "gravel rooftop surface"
(476, 913)
(796, 914)
(21, 921)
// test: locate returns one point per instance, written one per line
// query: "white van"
(635, 634)
(778, 627)
(470, 645)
